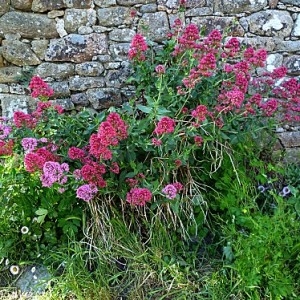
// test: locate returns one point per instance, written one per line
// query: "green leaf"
(144, 108)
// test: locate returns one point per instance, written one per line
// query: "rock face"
(81, 46)
(270, 23)
(19, 53)
(76, 48)
(28, 25)
(239, 6)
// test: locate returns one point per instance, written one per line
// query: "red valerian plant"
(196, 99)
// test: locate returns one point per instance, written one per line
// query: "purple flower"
(4, 131)
(86, 192)
(29, 144)
(54, 172)
(170, 191)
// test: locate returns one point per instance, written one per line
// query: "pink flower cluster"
(6, 147)
(34, 161)
(87, 192)
(39, 88)
(165, 125)
(138, 47)
(54, 172)
(93, 172)
(110, 133)
(139, 196)
(171, 190)
(5, 130)
(29, 144)
(22, 119)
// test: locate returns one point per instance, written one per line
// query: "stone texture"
(80, 99)
(75, 18)
(78, 3)
(39, 47)
(220, 23)
(133, 2)
(28, 25)
(79, 83)
(292, 2)
(91, 68)
(103, 98)
(11, 103)
(55, 13)
(76, 48)
(57, 71)
(121, 35)
(119, 51)
(105, 3)
(290, 139)
(287, 46)
(24, 5)
(46, 5)
(239, 6)
(296, 28)
(155, 26)
(19, 53)
(271, 23)
(114, 16)
(261, 42)
(293, 64)
(4, 6)
(9, 74)
(61, 89)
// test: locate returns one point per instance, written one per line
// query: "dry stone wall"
(80, 46)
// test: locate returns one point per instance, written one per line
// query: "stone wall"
(80, 46)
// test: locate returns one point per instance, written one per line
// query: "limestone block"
(239, 6)
(75, 18)
(78, 3)
(105, 3)
(292, 2)
(61, 89)
(28, 25)
(4, 88)
(57, 71)
(273, 61)
(121, 35)
(39, 47)
(90, 68)
(101, 98)
(46, 5)
(148, 8)
(66, 103)
(55, 14)
(220, 23)
(114, 16)
(24, 5)
(80, 99)
(290, 139)
(173, 4)
(293, 64)
(296, 28)
(287, 46)
(270, 23)
(154, 26)
(117, 78)
(199, 11)
(10, 74)
(4, 6)
(119, 51)
(11, 103)
(76, 48)
(19, 53)
(133, 2)
(79, 83)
